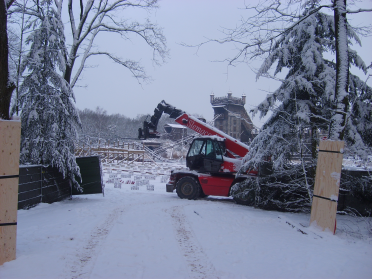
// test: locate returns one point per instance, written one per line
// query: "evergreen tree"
(302, 107)
(306, 95)
(49, 117)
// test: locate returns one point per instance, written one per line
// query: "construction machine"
(212, 161)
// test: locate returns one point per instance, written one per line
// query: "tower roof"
(229, 99)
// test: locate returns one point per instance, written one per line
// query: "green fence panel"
(91, 174)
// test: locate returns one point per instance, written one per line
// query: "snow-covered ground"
(153, 234)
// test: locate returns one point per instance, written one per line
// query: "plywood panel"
(8, 200)
(327, 184)
(323, 214)
(7, 243)
(10, 134)
(328, 174)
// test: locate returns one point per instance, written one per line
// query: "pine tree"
(49, 117)
(303, 105)
(306, 95)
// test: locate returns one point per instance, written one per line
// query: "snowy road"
(154, 234)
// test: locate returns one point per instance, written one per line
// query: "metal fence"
(39, 184)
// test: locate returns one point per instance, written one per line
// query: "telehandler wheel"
(188, 188)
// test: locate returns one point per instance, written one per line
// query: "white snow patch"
(337, 177)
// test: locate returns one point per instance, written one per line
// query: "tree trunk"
(4, 98)
(338, 121)
(70, 63)
(6, 88)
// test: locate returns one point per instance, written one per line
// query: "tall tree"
(344, 124)
(49, 118)
(306, 95)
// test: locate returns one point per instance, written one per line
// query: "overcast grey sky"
(189, 77)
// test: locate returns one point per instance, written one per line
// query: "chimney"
(229, 94)
(243, 99)
(212, 97)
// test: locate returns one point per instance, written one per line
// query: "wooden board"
(8, 236)
(323, 214)
(10, 134)
(327, 184)
(8, 200)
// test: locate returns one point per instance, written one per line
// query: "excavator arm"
(149, 126)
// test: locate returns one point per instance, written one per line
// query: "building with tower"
(232, 118)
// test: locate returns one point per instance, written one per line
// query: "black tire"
(188, 188)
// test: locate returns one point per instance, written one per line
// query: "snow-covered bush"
(288, 190)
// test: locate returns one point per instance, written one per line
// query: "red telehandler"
(213, 159)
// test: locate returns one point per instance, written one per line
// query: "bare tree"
(6, 85)
(104, 16)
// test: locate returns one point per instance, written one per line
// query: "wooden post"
(327, 184)
(10, 134)
(143, 149)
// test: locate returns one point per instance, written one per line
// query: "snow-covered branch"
(133, 66)
(101, 17)
(258, 34)
(358, 11)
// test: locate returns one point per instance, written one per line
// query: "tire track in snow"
(197, 260)
(83, 262)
